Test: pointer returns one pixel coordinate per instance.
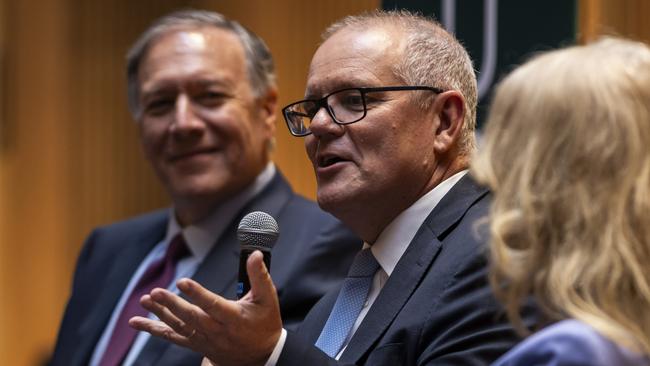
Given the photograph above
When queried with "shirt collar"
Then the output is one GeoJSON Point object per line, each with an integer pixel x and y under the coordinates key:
{"type": "Point", "coordinates": [201, 236]}
{"type": "Point", "coordinates": [396, 237]}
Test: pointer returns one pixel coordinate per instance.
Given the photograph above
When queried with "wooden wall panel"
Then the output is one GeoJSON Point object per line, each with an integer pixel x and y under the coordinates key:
{"type": "Point", "coordinates": [34, 196]}
{"type": "Point", "coordinates": [4, 305]}
{"type": "Point", "coordinates": [69, 153]}
{"type": "Point", "coordinates": [627, 18]}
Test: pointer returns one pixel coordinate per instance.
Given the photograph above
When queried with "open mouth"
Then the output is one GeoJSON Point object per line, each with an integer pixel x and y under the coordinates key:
{"type": "Point", "coordinates": [329, 160]}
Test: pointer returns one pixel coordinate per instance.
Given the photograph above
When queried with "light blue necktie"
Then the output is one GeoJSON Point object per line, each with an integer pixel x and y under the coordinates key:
{"type": "Point", "coordinates": [348, 304]}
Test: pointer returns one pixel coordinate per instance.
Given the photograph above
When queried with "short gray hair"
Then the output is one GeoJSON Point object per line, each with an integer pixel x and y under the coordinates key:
{"type": "Point", "coordinates": [259, 61]}
{"type": "Point", "coordinates": [432, 57]}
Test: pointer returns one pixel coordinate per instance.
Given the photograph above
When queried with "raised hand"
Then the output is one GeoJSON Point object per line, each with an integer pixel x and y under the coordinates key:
{"type": "Point", "coordinates": [227, 332]}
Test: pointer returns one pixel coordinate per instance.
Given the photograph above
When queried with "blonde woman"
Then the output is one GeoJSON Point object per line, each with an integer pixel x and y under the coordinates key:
{"type": "Point", "coordinates": [567, 154]}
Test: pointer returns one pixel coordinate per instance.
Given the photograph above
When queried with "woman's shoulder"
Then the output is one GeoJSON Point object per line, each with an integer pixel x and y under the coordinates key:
{"type": "Point", "coordinates": [570, 343]}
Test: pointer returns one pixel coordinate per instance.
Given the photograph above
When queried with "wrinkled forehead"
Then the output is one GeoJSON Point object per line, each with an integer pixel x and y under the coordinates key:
{"type": "Point", "coordinates": [184, 54]}
{"type": "Point", "coordinates": [354, 58]}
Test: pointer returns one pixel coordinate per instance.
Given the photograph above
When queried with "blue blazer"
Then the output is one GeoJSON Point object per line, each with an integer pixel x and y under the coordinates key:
{"type": "Point", "coordinates": [311, 256]}
{"type": "Point", "coordinates": [570, 343]}
{"type": "Point", "coordinates": [436, 307]}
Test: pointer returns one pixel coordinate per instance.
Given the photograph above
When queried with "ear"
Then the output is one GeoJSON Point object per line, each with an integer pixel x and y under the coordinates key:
{"type": "Point", "coordinates": [450, 110]}
{"type": "Point", "coordinates": [268, 103]}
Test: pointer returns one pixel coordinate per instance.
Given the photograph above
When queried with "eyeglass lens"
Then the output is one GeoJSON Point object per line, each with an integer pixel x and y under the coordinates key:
{"type": "Point", "coordinates": [345, 106]}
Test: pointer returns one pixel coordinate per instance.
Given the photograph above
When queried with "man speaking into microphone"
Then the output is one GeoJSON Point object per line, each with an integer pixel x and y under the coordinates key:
{"type": "Point", "coordinates": [202, 91]}
{"type": "Point", "coordinates": [388, 120]}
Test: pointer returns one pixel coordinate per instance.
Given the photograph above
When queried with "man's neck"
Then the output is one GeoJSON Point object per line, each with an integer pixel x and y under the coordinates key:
{"type": "Point", "coordinates": [369, 224]}
{"type": "Point", "coordinates": [194, 210]}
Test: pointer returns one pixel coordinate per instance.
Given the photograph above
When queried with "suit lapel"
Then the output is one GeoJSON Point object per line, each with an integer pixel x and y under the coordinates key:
{"type": "Point", "coordinates": [411, 268]}
{"type": "Point", "coordinates": [398, 289]}
{"type": "Point", "coordinates": [130, 257]}
{"type": "Point", "coordinates": [218, 272]}
{"type": "Point", "coordinates": [453, 206]}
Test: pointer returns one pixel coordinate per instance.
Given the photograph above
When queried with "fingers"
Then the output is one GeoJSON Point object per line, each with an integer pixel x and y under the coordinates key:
{"type": "Point", "coordinates": [216, 327]}
{"type": "Point", "coordinates": [214, 305]}
{"type": "Point", "coordinates": [262, 288]}
{"type": "Point", "coordinates": [172, 310]}
{"type": "Point", "coordinates": [158, 329]}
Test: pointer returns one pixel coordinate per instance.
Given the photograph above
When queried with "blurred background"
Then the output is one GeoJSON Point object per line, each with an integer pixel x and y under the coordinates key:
{"type": "Point", "coordinates": [69, 153]}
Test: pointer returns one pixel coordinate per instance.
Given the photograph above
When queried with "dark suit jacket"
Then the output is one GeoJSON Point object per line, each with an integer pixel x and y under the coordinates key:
{"type": "Point", "coordinates": [436, 307]}
{"type": "Point", "coordinates": [310, 257]}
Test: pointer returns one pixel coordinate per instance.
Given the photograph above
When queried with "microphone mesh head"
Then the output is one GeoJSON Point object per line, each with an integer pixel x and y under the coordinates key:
{"type": "Point", "coordinates": [258, 229]}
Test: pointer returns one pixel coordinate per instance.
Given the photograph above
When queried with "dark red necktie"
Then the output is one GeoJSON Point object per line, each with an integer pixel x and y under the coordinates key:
{"type": "Point", "coordinates": [160, 273]}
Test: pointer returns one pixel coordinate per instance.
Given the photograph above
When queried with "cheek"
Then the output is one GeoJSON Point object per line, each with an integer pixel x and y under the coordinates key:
{"type": "Point", "coordinates": [256, 134]}
{"type": "Point", "coordinates": [237, 122]}
{"type": "Point", "coordinates": [244, 146]}
{"type": "Point", "coordinates": [152, 142]}
{"type": "Point", "coordinates": [376, 148]}
{"type": "Point", "coordinates": [244, 140]}
{"type": "Point", "coordinates": [310, 147]}
{"type": "Point", "coordinates": [224, 126]}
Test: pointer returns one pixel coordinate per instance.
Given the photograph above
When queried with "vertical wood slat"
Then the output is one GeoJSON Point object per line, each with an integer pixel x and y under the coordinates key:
{"type": "Point", "coordinates": [33, 197]}
{"type": "Point", "coordinates": [4, 308]}
{"type": "Point", "coordinates": [589, 18]}
{"type": "Point", "coordinates": [627, 18]}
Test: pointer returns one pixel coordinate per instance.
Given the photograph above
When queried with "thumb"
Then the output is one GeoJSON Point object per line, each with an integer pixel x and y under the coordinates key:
{"type": "Point", "coordinates": [262, 288]}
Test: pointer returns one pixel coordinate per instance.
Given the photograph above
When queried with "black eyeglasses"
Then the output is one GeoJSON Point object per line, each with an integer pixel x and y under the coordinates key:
{"type": "Point", "coordinates": [345, 106]}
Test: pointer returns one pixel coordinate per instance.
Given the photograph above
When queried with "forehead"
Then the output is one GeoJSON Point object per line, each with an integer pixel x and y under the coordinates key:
{"type": "Point", "coordinates": [209, 53]}
{"type": "Point", "coordinates": [355, 58]}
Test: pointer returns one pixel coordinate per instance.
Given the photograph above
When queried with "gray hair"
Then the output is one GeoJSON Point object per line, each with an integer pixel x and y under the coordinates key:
{"type": "Point", "coordinates": [432, 57]}
{"type": "Point", "coordinates": [259, 61]}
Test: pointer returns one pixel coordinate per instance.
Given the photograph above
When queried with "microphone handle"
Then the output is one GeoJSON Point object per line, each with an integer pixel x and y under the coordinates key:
{"type": "Point", "coordinates": [243, 284]}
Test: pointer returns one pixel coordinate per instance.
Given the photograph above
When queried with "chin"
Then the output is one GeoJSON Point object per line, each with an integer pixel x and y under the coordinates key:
{"type": "Point", "coordinates": [334, 202]}
{"type": "Point", "coordinates": [198, 188]}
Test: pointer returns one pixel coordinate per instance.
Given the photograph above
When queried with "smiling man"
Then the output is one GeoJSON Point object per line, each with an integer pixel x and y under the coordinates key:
{"type": "Point", "coordinates": [202, 90]}
{"type": "Point", "coordinates": [388, 120]}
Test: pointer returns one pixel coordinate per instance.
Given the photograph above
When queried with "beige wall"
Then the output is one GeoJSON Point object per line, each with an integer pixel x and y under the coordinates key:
{"type": "Point", "coordinates": [69, 155]}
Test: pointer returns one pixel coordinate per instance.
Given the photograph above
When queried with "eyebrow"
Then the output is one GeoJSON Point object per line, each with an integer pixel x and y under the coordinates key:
{"type": "Point", "coordinates": [338, 85]}
{"type": "Point", "coordinates": [165, 84]}
{"type": "Point", "coordinates": [211, 82]}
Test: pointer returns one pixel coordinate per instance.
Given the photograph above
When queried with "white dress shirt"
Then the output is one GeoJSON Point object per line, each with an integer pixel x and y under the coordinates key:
{"type": "Point", "coordinates": [200, 238]}
{"type": "Point", "coordinates": [388, 249]}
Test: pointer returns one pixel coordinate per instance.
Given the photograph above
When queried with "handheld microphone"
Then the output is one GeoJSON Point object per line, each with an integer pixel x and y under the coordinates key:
{"type": "Point", "coordinates": [257, 231]}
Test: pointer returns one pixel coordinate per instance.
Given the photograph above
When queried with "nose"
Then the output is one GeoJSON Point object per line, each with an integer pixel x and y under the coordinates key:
{"type": "Point", "coordinates": [186, 121]}
{"type": "Point", "coordinates": [323, 124]}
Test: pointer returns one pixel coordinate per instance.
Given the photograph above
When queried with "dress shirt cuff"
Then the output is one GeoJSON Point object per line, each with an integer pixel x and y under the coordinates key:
{"type": "Point", "coordinates": [275, 355]}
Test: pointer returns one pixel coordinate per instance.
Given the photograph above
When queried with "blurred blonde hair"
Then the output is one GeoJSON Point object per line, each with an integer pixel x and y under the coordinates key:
{"type": "Point", "coordinates": [567, 153]}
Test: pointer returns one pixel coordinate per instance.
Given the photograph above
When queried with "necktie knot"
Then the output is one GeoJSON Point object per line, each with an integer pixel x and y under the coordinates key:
{"type": "Point", "coordinates": [364, 264]}
{"type": "Point", "coordinates": [177, 249]}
